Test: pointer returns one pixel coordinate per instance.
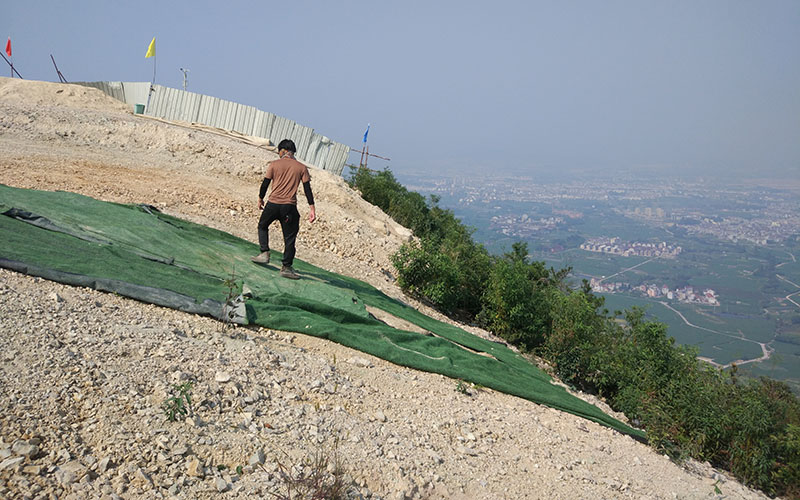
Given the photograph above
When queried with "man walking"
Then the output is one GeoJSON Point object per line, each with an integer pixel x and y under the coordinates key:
{"type": "Point", "coordinates": [286, 174]}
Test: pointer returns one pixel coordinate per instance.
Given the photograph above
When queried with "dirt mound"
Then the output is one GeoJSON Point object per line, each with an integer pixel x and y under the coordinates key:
{"type": "Point", "coordinates": [46, 94]}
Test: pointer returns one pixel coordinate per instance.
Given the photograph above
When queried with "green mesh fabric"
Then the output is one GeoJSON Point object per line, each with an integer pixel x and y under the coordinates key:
{"type": "Point", "coordinates": [139, 252]}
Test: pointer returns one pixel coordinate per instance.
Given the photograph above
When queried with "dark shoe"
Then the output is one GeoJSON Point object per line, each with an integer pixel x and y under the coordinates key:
{"type": "Point", "coordinates": [262, 258]}
{"type": "Point", "coordinates": [288, 272]}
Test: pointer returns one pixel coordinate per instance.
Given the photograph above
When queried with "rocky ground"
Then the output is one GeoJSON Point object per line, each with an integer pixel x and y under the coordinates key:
{"type": "Point", "coordinates": [85, 375]}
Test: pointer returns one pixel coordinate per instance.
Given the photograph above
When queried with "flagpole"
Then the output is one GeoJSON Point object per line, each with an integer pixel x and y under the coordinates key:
{"type": "Point", "coordinates": [151, 52]}
{"type": "Point", "coordinates": [8, 51]}
{"type": "Point", "coordinates": [364, 148]}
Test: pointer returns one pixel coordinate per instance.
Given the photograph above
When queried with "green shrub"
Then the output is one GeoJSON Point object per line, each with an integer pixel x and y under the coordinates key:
{"type": "Point", "coordinates": [570, 343]}
{"type": "Point", "coordinates": [382, 190]}
{"type": "Point", "coordinates": [787, 471]}
{"type": "Point", "coordinates": [514, 304]}
{"type": "Point", "coordinates": [445, 266]}
{"type": "Point", "coordinates": [449, 274]}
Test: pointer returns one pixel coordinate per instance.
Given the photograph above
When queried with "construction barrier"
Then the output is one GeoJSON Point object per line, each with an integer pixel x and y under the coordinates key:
{"type": "Point", "coordinates": [179, 105]}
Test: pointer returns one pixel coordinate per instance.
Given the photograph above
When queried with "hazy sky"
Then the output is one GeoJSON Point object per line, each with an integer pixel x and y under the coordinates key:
{"type": "Point", "coordinates": [483, 87]}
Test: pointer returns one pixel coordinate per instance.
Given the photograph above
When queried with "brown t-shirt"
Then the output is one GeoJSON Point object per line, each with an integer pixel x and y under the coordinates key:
{"type": "Point", "coordinates": [286, 174]}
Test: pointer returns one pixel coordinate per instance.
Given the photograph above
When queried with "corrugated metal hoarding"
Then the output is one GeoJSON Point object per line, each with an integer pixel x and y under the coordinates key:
{"type": "Point", "coordinates": [180, 105]}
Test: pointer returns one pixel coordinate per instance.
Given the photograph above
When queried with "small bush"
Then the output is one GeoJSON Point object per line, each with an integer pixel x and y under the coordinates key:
{"type": "Point", "coordinates": [320, 476]}
{"type": "Point", "coordinates": [179, 404]}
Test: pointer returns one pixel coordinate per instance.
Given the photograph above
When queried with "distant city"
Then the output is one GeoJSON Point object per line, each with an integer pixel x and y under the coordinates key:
{"type": "Point", "coordinates": [748, 214]}
{"type": "Point", "coordinates": [627, 249]}
{"type": "Point", "coordinates": [687, 294]}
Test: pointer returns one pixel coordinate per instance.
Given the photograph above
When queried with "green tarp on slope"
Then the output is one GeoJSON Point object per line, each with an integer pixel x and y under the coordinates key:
{"type": "Point", "coordinates": [141, 253]}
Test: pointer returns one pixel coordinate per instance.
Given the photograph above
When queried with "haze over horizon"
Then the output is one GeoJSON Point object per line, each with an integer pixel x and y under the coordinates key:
{"type": "Point", "coordinates": [532, 88]}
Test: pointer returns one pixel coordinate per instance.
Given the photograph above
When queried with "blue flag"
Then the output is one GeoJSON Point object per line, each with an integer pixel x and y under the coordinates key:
{"type": "Point", "coordinates": [365, 134]}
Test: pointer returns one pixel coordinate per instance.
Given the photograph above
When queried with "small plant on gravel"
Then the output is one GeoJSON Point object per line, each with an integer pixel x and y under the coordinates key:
{"type": "Point", "coordinates": [318, 477]}
{"type": "Point", "coordinates": [461, 387]}
{"type": "Point", "coordinates": [229, 307]}
{"type": "Point", "coordinates": [179, 404]}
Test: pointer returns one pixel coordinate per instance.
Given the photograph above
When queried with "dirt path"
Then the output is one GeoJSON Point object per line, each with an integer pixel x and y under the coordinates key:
{"type": "Point", "coordinates": [766, 351]}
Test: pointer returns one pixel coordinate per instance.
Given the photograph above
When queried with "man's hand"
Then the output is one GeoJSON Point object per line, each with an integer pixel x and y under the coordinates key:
{"type": "Point", "coordinates": [261, 203]}
{"type": "Point", "coordinates": [312, 213]}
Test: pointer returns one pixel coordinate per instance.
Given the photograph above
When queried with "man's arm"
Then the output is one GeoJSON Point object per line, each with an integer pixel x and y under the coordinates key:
{"type": "Point", "coordinates": [263, 192]}
{"type": "Point", "coordinates": [312, 211]}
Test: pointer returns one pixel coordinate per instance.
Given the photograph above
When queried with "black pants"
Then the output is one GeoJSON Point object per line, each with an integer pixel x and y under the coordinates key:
{"type": "Point", "coordinates": [289, 218]}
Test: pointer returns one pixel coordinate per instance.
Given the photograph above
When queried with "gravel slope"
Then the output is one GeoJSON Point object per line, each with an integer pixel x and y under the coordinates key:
{"type": "Point", "coordinates": [84, 374]}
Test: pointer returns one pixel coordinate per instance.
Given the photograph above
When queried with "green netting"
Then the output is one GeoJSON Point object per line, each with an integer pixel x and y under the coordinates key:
{"type": "Point", "coordinates": [139, 252]}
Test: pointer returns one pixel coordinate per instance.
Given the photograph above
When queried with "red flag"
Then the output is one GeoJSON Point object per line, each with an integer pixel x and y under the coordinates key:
{"type": "Point", "coordinates": [8, 47]}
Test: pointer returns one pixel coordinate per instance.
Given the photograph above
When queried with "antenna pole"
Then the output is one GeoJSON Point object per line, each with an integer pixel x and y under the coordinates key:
{"type": "Point", "coordinates": [185, 71]}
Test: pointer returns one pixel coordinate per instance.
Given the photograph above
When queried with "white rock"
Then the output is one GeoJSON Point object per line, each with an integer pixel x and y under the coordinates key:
{"type": "Point", "coordinates": [464, 450]}
{"type": "Point", "coordinates": [33, 470]}
{"type": "Point", "coordinates": [222, 377]}
{"type": "Point", "coordinates": [194, 421]}
{"type": "Point", "coordinates": [65, 477]}
{"type": "Point", "coordinates": [257, 458]}
{"type": "Point", "coordinates": [359, 361]}
{"type": "Point", "coordinates": [180, 450]}
{"type": "Point", "coordinates": [194, 468]}
{"type": "Point", "coordinates": [10, 463]}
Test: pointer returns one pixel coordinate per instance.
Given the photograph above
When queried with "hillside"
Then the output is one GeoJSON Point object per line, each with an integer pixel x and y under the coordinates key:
{"type": "Point", "coordinates": [85, 373]}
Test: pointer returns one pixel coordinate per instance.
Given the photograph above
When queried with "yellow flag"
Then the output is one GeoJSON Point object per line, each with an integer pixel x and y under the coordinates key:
{"type": "Point", "coordinates": [151, 50]}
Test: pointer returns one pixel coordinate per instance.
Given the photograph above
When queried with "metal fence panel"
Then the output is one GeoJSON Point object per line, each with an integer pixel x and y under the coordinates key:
{"type": "Point", "coordinates": [175, 104]}
{"type": "Point", "coordinates": [301, 135]}
{"type": "Point", "coordinates": [135, 92]}
{"type": "Point", "coordinates": [337, 158]}
{"type": "Point", "coordinates": [115, 90]}
{"type": "Point", "coordinates": [226, 115]}
{"type": "Point", "coordinates": [169, 102]}
{"type": "Point", "coordinates": [245, 119]}
{"type": "Point", "coordinates": [156, 105]}
{"type": "Point", "coordinates": [318, 149]}
{"type": "Point", "coordinates": [280, 127]}
{"type": "Point", "coordinates": [175, 107]}
{"type": "Point", "coordinates": [263, 124]}
{"type": "Point", "coordinates": [191, 107]}
{"type": "Point", "coordinates": [207, 110]}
